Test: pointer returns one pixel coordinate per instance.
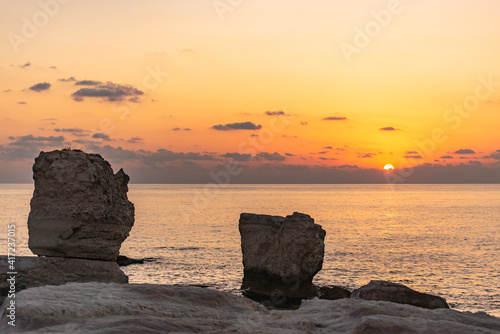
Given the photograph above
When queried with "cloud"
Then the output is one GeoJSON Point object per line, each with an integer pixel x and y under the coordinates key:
{"type": "Point", "coordinates": [71, 130]}
{"type": "Point", "coordinates": [70, 79]}
{"type": "Point", "coordinates": [237, 156]}
{"type": "Point", "coordinates": [475, 163]}
{"type": "Point", "coordinates": [135, 140]}
{"type": "Point", "coordinates": [7, 91]}
{"type": "Point", "coordinates": [328, 148]}
{"type": "Point", "coordinates": [237, 126]}
{"type": "Point", "coordinates": [163, 155]}
{"type": "Point", "coordinates": [31, 138]}
{"type": "Point", "coordinates": [289, 154]}
{"type": "Point", "coordinates": [417, 156]}
{"type": "Point", "coordinates": [389, 128]}
{"type": "Point", "coordinates": [102, 136]}
{"type": "Point", "coordinates": [323, 158]}
{"type": "Point", "coordinates": [446, 157]}
{"type": "Point", "coordinates": [108, 92]}
{"type": "Point", "coordinates": [495, 155]}
{"type": "Point", "coordinates": [335, 118]}
{"type": "Point", "coordinates": [40, 86]}
{"type": "Point", "coordinates": [28, 147]}
{"type": "Point", "coordinates": [271, 157]}
{"type": "Point", "coordinates": [21, 102]}
{"type": "Point", "coordinates": [411, 152]}
{"type": "Point", "coordinates": [465, 151]}
{"type": "Point", "coordinates": [304, 123]}
{"type": "Point", "coordinates": [367, 155]}
{"type": "Point", "coordinates": [87, 83]}
{"type": "Point", "coordinates": [179, 129]}
{"type": "Point", "coordinates": [276, 113]}
{"type": "Point", "coordinates": [28, 64]}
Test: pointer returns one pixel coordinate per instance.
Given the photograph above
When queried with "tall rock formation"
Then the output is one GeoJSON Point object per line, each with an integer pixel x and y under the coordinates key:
{"type": "Point", "coordinates": [79, 207]}
{"type": "Point", "coordinates": [280, 257]}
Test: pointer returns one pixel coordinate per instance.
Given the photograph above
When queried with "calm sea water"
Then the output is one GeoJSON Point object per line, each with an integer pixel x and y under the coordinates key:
{"type": "Point", "coordinates": [440, 239]}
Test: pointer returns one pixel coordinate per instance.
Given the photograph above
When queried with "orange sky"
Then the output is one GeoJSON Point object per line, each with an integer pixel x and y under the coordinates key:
{"type": "Point", "coordinates": [427, 72]}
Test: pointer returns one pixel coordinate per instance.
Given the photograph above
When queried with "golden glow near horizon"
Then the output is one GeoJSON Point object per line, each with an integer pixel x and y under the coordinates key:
{"type": "Point", "coordinates": [357, 84]}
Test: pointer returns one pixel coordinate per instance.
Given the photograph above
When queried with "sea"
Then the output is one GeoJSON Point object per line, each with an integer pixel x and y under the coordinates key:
{"type": "Point", "coordinates": [438, 239]}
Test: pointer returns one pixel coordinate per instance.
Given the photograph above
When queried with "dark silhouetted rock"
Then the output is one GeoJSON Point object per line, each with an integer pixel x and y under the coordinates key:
{"type": "Point", "coordinates": [398, 293]}
{"type": "Point", "coordinates": [79, 207]}
{"type": "Point", "coordinates": [333, 292]}
{"type": "Point", "coordinates": [39, 271]}
{"type": "Point", "coordinates": [126, 261]}
{"type": "Point", "coordinates": [280, 257]}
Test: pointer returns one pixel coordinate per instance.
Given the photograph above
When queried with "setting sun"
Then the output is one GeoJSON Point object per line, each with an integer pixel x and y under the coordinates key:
{"type": "Point", "coordinates": [388, 167]}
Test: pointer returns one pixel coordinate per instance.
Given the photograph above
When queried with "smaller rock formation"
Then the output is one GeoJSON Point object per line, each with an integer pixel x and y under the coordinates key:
{"type": "Point", "coordinates": [398, 293]}
{"type": "Point", "coordinates": [124, 261]}
{"type": "Point", "coordinates": [280, 257]}
{"type": "Point", "coordinates": [79, 207]}
{"type": "Point", "coordinates": [333, 292]}
{"type": "Point", "coordinates": [39, 271]}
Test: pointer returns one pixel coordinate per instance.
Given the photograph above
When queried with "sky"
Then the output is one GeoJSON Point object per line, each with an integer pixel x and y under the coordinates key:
{"type": "Point", "coordinates": [238, 91]}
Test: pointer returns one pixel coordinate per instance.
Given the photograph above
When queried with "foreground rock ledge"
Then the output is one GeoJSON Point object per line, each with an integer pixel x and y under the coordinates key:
{"type": "Point", "coordinates": [133, 308]}
{"type": "Point", "coordinates": [79, 207]}
{"type": "Point", "coordinates": [39, 271]}
{"type": "Point", "coordinates": [280, 256]}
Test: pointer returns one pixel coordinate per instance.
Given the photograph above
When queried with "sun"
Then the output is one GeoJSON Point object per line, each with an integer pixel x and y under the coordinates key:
{"type": "Point", "coordinates": [388, 167]}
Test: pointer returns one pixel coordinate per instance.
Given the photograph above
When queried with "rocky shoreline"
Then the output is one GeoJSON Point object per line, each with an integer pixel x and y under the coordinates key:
{"type": "Point", "coordinates": [80, 215]}
{"type": "Point", "coordinates": [145, 308]}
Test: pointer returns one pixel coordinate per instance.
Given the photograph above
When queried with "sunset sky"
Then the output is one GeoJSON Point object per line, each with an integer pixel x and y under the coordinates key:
{"type": "Point", "coordinates": [294, 91]}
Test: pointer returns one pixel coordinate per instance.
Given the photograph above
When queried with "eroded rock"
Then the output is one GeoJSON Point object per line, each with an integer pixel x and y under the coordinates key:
{"type": "Point", "coordinates": [79, 207]}
{"type": "Point", "coordinates": [39, 271]}
{"type": "Point", "coordinates": [398, 293]}
{"type": "Point", "coordinates": [280, 257]}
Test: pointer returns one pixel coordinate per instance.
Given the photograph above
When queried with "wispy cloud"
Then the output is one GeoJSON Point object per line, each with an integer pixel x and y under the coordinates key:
{"type": "Point", "coordinates": [389, 128]}
{"type": "Point", "coordinates": [465, 151]}
{"type": "Point", "coordinates": [237, 126]}
{"type": "Point", "coordinates": [40, 86]}
{"type": "Point", "coordinates": [335, 118]}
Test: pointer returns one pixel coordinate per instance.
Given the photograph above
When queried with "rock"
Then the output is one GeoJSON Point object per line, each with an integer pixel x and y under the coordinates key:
{"type": "Point", "coordinates": [123, 261]}
{"type": "Point", "coordinates": [79, 207]}
{"type": "Point", "coordinates": [39, 271]}
{"type": "Point", "coordinates": [333, 292]}
{"type": "Point", "coordinates": [101, 308]}
{"type": "Point", "coordinates": [398, 293]}
{"type": "Point", "coordinates": [128, 308]}
{"type": "Point", "coordinates": [280, 257]}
